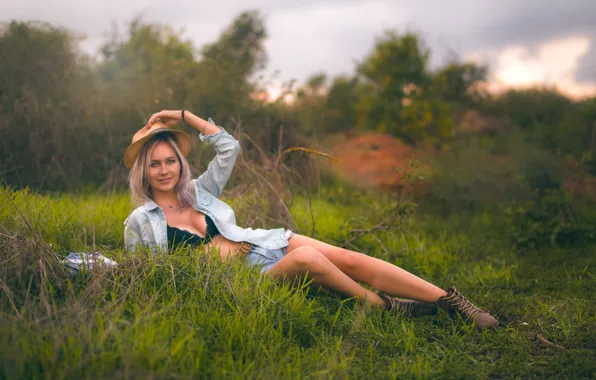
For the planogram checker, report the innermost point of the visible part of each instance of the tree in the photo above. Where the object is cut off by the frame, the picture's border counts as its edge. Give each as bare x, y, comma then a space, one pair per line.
228, 66
309, 104
41, 104
152, 67
397, 95
456, 82
342, 98
240, 48
546, 118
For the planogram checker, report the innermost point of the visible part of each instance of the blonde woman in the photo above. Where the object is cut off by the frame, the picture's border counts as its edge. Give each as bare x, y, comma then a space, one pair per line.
175, 209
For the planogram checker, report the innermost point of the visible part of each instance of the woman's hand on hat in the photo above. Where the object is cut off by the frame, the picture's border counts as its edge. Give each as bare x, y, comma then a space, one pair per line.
169, 118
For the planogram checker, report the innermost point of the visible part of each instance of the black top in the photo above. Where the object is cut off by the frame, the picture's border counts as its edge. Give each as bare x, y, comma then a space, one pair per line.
177, 237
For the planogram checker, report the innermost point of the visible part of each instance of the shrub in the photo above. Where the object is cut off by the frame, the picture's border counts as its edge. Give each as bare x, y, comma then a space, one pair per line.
549, 217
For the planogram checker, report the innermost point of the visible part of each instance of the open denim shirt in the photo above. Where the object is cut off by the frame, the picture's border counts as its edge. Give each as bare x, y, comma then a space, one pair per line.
146, 226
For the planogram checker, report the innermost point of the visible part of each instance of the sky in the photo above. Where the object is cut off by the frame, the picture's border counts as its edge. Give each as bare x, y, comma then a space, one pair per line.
548, 42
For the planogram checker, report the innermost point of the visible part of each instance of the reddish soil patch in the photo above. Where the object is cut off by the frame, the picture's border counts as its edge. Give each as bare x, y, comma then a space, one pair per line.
377, 160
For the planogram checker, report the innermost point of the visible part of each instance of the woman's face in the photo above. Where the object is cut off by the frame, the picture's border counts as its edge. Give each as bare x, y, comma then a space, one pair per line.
164, 168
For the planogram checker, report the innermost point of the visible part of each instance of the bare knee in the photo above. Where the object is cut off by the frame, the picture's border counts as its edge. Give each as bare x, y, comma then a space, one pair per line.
351, 261
308, 259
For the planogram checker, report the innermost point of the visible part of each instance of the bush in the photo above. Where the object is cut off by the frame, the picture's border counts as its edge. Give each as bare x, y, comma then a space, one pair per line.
549, 218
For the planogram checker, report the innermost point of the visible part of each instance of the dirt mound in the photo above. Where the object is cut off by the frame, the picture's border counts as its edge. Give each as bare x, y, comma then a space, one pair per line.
378, 160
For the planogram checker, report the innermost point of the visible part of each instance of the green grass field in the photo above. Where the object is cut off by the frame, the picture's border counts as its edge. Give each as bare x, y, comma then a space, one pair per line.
187, 315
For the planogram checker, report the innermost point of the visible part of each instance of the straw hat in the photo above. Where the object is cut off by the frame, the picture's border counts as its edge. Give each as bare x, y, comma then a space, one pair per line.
144, 134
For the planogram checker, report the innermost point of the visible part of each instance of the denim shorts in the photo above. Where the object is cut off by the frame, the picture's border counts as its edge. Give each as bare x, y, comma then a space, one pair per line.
266, 258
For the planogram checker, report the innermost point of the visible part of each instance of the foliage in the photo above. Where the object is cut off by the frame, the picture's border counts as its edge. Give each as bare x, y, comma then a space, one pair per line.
457, 83
41, 107
487, 172
548, 119
228, 66
68, 119
396, 63
150, 67
309, 106
549, 218
341, 98
395, 96
520, 185
240, 48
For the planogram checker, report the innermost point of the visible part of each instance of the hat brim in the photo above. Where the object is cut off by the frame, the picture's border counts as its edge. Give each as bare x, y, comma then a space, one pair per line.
182, 139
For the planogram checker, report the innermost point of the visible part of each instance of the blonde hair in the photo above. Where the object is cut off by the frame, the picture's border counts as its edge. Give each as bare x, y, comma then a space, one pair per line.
137, 178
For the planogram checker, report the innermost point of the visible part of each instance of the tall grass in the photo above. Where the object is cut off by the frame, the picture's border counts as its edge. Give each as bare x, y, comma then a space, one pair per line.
188, 315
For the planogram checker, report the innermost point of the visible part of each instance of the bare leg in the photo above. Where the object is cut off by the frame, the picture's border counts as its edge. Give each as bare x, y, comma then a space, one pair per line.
309, 261
377, 273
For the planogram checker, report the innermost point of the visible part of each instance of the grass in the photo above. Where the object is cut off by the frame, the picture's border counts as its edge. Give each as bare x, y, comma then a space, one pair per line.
190, 316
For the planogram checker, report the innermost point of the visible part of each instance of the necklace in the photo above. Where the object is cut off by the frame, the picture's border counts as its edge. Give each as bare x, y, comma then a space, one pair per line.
176, 208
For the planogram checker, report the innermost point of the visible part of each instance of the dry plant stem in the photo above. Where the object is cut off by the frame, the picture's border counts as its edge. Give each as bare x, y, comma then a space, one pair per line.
543, 339
405, 240
381, 244
309, 150
14, 165
312, 216
105, 221
47, 171
25, 220
274, 167
8, 295
281, 202
379, 226
279, 156
277, 191
402, 230
264, 156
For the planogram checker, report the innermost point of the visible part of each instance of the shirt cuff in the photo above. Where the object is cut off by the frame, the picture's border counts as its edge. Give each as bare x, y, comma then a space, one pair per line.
210, 139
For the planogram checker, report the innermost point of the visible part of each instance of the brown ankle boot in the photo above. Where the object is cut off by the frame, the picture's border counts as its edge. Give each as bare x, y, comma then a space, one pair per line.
407, 307
454, 303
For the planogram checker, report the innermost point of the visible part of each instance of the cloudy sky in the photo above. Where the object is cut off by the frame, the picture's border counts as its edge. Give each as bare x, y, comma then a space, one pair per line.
524, 42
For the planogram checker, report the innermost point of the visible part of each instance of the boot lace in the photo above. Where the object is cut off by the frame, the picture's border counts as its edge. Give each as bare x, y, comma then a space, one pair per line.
406, 307
462, 305
392, 304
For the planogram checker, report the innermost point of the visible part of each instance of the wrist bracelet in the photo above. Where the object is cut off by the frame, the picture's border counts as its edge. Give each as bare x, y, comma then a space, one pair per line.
183, 115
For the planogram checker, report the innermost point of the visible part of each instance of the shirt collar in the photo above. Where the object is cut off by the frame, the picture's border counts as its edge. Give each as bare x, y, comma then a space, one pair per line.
150, 205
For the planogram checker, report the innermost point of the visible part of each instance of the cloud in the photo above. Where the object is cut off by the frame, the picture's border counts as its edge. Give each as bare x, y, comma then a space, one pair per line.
309, 36
325, 36
586, 71
553, 63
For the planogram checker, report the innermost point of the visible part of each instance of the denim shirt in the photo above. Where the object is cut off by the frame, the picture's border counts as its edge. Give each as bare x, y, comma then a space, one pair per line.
146, 226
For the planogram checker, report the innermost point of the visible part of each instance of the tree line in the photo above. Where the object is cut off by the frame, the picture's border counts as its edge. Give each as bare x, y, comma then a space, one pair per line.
66, 117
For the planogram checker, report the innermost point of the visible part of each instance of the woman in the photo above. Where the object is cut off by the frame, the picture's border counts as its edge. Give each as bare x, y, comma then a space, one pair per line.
175, 209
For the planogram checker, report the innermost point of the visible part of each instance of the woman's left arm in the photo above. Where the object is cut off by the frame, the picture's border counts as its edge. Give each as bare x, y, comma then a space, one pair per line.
226, 148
